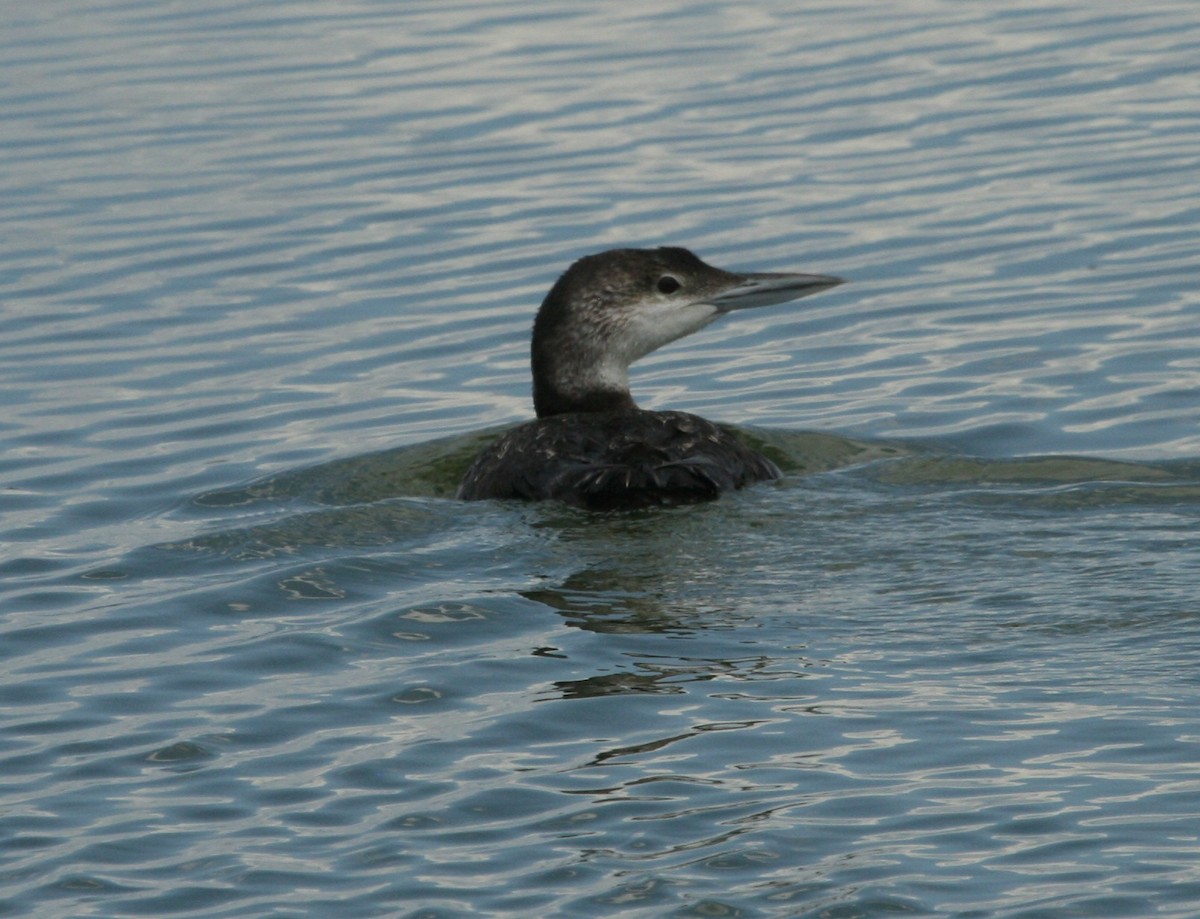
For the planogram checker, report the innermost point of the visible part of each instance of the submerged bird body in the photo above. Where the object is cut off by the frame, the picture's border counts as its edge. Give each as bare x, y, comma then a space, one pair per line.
591, 446
616, 460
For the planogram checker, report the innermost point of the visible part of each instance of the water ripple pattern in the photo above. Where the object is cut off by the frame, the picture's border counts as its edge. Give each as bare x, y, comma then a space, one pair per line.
266, 270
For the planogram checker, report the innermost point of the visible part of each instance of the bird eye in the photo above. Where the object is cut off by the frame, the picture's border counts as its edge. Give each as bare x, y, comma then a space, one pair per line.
668, 284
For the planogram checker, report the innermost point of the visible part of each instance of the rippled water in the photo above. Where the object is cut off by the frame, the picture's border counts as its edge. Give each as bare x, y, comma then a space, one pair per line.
267, 272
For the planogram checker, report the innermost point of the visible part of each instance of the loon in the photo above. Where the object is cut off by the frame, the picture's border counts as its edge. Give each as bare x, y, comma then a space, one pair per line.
590, 445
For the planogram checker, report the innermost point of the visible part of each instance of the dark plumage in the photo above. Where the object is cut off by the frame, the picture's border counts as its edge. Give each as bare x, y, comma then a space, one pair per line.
590, 445
616, 460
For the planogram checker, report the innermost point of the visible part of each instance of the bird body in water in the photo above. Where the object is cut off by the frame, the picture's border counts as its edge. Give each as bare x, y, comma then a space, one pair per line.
590, 445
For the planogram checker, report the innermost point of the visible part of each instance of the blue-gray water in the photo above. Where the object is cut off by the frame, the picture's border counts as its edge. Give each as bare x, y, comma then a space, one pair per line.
266, 271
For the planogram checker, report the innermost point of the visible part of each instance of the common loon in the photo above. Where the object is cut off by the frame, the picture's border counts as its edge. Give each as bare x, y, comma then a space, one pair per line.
590, 445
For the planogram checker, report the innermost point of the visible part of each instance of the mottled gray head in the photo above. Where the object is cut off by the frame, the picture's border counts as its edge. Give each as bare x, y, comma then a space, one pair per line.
608, 310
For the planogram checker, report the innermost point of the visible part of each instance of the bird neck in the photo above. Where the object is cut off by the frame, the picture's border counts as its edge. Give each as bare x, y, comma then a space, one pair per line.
549, 401
570, 377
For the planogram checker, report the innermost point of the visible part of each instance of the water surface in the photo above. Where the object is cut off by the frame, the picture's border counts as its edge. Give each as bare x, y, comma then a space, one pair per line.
267, 276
